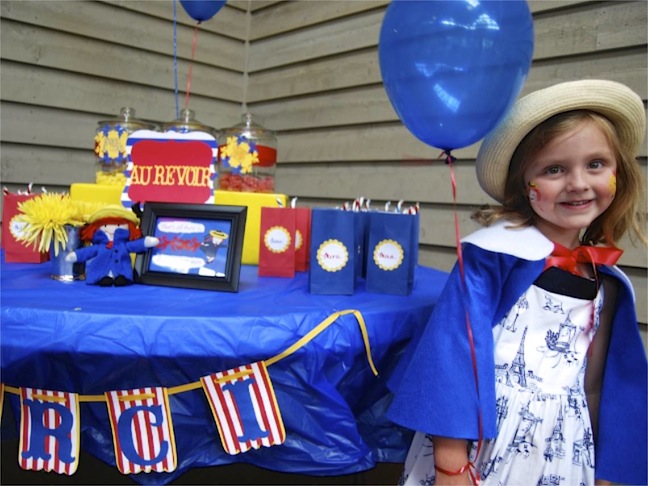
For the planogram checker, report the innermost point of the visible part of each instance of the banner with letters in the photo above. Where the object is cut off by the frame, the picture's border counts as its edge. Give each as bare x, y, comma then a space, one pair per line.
242, 401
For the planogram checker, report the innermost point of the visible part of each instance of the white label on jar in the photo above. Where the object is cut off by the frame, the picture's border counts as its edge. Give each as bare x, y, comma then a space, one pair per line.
332, 255
277, 239
388, 255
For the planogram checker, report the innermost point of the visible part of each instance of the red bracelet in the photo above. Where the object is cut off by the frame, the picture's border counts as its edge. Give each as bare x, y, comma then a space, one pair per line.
469, 466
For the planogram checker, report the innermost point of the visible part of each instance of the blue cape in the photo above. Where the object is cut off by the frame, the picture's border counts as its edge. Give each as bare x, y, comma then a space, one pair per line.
435, 390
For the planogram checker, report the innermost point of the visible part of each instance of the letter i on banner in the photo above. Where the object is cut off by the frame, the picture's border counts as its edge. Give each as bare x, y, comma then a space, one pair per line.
245, 408
142, 430
49, 431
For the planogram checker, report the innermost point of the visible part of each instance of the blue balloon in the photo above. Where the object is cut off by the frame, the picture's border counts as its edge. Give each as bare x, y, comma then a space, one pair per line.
202, 10
453, 68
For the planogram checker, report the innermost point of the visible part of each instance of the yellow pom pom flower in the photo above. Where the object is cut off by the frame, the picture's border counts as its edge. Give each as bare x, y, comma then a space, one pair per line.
45, 217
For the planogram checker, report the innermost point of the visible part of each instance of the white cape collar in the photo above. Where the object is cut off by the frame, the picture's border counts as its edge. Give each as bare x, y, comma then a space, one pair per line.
524, 242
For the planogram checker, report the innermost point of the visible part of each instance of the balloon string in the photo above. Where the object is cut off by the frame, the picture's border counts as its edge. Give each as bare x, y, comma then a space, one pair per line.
194, 43
175, 58
450, 160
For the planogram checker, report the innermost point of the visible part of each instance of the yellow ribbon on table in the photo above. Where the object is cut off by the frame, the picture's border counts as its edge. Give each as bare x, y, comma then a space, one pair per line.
313, 333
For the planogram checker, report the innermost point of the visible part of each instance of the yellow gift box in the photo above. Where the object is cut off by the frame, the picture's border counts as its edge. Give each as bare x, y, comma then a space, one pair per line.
100, 193
253, 200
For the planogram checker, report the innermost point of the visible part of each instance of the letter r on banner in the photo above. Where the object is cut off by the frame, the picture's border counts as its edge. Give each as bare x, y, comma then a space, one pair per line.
49, 431
245, 408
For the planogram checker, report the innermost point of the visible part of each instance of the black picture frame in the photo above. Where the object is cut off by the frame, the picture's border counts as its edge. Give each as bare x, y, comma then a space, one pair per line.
200, 246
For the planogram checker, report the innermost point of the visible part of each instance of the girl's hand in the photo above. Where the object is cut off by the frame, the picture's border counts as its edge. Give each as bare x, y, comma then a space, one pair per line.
451, 455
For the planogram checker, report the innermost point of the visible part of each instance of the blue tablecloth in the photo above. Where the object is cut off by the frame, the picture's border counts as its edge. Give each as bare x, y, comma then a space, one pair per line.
80, 338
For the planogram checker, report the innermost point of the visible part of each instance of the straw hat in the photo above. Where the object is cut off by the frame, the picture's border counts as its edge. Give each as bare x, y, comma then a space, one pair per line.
114, 211
622, 106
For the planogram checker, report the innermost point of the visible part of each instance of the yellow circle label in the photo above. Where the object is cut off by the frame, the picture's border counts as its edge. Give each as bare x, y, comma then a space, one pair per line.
16, 228
332, 255
277, 239
388, 255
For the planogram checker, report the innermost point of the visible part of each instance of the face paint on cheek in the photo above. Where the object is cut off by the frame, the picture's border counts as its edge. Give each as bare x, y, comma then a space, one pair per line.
534, 193
612, 183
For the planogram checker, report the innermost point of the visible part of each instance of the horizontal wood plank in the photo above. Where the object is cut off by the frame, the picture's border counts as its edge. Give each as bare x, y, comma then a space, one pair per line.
537, 6
116, 25
229, 21
370, 104
362, 69
592, 28
319, 41
58, 89
45, 166
426, 181
34, 45
292, 16
588, 28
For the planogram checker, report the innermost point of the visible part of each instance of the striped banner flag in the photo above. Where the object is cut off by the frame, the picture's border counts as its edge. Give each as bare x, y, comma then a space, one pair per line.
49, 431
142, 430
245, 408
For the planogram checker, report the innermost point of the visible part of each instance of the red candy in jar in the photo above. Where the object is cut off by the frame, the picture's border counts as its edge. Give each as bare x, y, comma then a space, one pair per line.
247, 157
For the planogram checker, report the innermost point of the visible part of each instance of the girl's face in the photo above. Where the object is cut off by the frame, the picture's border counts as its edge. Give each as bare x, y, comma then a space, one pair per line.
570, 182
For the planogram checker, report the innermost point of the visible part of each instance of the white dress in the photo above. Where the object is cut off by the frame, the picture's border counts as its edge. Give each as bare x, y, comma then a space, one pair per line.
544, 431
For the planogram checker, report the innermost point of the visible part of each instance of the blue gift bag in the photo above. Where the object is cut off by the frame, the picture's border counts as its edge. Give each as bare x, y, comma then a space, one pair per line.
336, 254
392, 252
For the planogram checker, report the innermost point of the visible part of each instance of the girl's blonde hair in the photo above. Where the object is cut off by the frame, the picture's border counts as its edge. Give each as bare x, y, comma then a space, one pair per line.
624, 214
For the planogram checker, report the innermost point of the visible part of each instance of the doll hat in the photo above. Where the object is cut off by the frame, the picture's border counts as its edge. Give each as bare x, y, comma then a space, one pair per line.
113, 211
622, 106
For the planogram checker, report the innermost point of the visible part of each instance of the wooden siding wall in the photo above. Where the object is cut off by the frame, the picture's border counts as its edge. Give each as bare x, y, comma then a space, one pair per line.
308, 69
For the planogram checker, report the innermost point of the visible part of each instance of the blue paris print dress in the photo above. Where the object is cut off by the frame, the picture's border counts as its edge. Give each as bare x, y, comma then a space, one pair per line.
544, 431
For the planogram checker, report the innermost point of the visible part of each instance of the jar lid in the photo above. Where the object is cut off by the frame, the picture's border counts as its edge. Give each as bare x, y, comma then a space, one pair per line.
249, 128
127, 120
187, 123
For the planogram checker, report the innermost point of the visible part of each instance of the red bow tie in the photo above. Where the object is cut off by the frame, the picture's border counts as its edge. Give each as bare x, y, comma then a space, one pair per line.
563, 257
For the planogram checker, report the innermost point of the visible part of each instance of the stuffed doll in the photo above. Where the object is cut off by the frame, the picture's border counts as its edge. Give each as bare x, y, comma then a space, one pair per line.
114, 234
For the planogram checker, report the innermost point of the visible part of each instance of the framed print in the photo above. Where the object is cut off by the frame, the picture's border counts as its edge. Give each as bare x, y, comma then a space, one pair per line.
200, 246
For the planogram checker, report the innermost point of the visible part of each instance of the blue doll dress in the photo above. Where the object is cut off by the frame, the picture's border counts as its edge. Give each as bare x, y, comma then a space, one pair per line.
544, 432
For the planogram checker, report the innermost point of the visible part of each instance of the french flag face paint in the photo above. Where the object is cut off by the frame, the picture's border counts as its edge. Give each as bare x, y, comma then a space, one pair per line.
534, 193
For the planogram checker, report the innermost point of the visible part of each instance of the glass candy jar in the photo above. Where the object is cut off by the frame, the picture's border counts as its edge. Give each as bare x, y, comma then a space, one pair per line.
187, 123
110, 146
247, 157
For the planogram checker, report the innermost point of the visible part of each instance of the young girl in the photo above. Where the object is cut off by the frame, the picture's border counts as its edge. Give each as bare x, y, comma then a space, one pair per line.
531, 370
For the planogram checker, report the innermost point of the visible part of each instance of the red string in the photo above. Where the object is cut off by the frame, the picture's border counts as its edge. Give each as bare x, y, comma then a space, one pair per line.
473, 474
193, 54
450, 159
